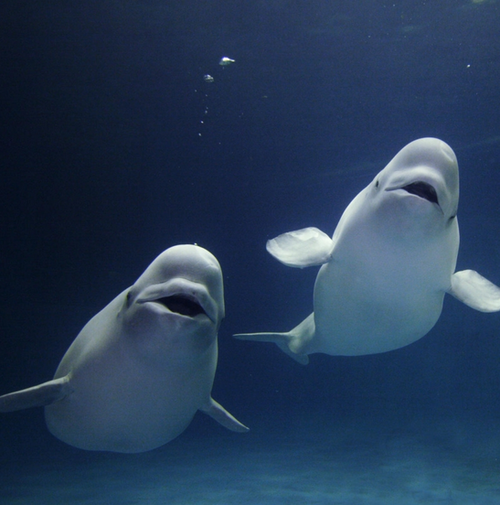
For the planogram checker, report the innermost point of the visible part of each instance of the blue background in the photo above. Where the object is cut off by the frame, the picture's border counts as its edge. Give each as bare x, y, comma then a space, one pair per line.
113, 148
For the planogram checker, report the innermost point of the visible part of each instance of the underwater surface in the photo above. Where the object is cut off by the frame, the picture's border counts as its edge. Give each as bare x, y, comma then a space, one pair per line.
116, 145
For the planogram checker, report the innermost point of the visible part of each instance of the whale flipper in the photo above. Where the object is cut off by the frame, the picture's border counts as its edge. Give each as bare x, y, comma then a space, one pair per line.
301, 248
222, 416
37, 396
475, 291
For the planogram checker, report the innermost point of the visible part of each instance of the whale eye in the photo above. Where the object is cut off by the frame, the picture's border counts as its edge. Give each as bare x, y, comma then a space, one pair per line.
377, 183
128, 298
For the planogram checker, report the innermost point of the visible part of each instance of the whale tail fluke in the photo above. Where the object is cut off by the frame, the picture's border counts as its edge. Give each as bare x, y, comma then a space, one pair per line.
293, 342
282, 340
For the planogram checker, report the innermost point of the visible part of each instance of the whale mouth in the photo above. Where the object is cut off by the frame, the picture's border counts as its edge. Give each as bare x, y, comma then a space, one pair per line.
182, 305
182, 298
423, 190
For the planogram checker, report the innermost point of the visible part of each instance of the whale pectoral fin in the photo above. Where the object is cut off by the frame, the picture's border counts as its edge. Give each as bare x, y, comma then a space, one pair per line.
222, 416
37, 396
475, 291
301, 248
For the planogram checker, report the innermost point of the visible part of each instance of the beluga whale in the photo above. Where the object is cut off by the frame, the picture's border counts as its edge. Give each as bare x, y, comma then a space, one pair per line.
391, 260
140, 369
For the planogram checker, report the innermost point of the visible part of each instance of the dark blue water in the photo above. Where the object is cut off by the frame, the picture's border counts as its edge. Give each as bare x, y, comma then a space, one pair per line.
115, 148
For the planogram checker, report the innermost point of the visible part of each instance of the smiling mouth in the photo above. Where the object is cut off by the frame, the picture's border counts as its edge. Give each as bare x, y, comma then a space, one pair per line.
423, 190
181, 305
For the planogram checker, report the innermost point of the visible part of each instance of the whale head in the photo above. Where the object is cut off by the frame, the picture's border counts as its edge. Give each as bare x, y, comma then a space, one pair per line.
416, 194
424, 173
179, 299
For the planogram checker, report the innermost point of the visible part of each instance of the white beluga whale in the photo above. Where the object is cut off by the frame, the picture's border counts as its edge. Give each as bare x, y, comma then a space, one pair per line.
139, 370
389, 263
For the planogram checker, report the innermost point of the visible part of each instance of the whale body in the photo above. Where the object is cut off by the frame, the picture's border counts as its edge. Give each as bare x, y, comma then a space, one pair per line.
136, 374
391, 260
